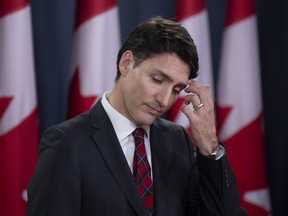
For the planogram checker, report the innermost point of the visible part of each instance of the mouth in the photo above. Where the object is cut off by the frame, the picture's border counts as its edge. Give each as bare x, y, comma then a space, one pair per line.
154, 111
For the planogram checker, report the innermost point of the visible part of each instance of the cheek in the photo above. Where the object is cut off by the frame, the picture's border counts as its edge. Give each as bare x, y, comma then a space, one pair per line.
138, 94
146, 89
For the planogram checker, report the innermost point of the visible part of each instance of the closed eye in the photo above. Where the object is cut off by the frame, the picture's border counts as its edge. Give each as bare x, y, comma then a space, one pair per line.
176, 91
156, 80
178, 88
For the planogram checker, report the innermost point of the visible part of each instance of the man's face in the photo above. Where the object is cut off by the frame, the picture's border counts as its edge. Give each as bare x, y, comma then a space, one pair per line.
150, 89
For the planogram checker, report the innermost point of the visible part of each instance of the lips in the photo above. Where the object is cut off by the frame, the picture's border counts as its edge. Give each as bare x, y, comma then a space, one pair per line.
154, 111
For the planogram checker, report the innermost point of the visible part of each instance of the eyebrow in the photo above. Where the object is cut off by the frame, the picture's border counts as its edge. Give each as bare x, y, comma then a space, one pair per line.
169, 79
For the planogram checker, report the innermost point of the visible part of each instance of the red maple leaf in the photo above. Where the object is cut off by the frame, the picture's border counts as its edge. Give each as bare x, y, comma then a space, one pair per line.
222, 114
245, 150
18, 157
77, 102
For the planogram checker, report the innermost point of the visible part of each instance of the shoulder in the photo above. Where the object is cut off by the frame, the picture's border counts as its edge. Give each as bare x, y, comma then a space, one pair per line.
95, 117
67, 137
70, 127
170, 128
164, 124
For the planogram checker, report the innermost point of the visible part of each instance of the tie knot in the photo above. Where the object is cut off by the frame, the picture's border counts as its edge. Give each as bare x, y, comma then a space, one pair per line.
138, 133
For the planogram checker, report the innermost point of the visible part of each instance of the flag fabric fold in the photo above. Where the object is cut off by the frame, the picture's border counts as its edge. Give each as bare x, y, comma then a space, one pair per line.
239, 106
96, 44
19, 134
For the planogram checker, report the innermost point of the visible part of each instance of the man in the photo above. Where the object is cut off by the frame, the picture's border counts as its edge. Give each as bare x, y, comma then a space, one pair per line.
87, 165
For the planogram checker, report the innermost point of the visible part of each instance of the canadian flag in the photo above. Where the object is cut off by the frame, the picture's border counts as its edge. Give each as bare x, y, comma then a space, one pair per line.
239, 103
193, 15
96, 44
19, 135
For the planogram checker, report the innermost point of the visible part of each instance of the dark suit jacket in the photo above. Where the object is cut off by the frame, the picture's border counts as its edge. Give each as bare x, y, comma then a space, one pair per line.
82, 171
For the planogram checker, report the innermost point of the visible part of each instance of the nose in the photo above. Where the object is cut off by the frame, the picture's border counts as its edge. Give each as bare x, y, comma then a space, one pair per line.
163, 97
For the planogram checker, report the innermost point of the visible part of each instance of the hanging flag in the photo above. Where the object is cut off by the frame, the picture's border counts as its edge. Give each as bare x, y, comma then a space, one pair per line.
193, 15
240, 117
18, 107
96, 44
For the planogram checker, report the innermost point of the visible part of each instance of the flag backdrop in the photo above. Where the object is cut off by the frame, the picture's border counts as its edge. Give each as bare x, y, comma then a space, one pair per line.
193, 15
96, 44
18, 107
239, 102
52, 24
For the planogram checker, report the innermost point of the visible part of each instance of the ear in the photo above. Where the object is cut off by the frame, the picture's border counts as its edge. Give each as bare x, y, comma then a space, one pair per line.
126, 62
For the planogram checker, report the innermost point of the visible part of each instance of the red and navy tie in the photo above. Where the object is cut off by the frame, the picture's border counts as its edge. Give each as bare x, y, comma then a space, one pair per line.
142, 172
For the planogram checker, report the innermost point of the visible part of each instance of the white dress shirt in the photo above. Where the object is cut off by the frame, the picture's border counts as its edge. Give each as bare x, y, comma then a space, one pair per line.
124, 128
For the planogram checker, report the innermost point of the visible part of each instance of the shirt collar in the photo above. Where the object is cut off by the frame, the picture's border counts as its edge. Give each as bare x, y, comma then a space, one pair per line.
122, 125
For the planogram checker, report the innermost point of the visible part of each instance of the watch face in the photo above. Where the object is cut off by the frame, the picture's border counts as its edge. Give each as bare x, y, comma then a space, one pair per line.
219, 152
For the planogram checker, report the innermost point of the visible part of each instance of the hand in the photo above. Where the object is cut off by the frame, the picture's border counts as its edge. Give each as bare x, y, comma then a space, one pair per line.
201, 117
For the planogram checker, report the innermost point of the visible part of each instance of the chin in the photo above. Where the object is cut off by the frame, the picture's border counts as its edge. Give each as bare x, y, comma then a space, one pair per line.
149, 121
145, 118
146, 121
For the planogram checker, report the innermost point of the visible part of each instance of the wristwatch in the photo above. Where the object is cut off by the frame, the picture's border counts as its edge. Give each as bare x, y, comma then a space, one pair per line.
218, 153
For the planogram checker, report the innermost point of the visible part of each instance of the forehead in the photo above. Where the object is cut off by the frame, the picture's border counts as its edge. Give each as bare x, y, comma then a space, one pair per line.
169, 63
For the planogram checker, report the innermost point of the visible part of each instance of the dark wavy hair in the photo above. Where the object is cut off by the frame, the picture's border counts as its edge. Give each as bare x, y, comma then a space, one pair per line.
158, 35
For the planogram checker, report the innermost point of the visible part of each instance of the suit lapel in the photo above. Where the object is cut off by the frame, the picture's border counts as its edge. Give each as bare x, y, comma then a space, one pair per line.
107, 143
160, 163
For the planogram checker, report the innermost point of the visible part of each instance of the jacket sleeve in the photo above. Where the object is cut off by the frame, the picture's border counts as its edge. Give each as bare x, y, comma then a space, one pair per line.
213, 189
219, 191
55, 185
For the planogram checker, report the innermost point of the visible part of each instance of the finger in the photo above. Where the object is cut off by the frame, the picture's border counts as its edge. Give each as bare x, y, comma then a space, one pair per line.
192, 98
203, 91
197, 95
187, 111
195, 87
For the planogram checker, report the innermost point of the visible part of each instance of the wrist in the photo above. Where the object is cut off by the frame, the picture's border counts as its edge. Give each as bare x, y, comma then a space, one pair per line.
217, 152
